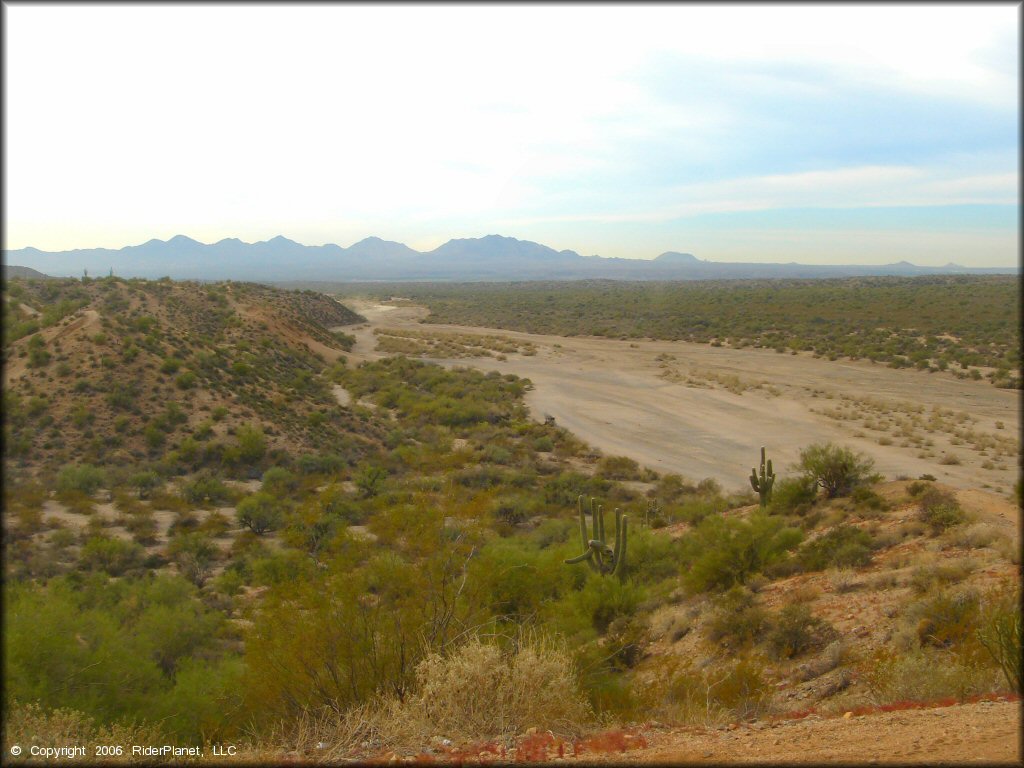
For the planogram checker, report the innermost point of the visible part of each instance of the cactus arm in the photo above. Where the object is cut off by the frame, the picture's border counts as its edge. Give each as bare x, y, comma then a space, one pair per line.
620, 552
583, 523
579, 558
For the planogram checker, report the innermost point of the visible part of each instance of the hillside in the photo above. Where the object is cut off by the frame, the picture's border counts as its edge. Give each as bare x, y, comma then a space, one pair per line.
218, 529
115, 371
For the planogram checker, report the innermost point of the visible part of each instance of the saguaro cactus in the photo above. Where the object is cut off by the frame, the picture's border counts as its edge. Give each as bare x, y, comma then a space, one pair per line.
602, 558
763, 482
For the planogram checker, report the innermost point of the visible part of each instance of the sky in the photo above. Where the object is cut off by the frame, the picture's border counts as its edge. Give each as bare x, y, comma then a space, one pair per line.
820, 134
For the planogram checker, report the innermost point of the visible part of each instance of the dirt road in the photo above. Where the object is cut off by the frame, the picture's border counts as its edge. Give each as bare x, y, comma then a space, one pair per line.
704, 411
984, 732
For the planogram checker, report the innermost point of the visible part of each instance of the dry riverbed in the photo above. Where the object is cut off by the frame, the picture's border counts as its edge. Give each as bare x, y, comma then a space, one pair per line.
704, 411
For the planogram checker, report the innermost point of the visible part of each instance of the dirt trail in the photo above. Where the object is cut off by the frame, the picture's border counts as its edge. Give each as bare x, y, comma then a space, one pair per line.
85, 321
983, 732
613, 394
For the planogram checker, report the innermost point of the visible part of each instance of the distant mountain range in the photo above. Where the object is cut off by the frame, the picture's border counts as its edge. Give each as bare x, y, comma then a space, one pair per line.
486, 258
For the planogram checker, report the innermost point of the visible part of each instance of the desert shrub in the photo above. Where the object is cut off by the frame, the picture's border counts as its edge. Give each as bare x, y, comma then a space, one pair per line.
367, 622
918, 487
565, 488
844, 546
144, 482
936, 576
479, 691
737, 689
142, 526
940, 510
603, 600
369, 481
84, 478
924, 674
866, 497
120, 650
1000, 634
319, 464
976, 536
279, 482
627, 639
793, 495
185, 380
30, 725
836, 470
259, 512
723, 552
651, 558
251, 443
843, 580
738, 620
112, 556
795, 631
543, 444
206, 489
618, 468
946, 620
215, 524
194, 554
170, 365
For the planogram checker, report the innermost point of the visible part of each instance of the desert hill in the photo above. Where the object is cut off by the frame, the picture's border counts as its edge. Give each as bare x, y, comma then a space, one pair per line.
115, 370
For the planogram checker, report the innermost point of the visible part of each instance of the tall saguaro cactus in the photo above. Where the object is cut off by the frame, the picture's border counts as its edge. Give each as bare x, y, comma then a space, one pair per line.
598, 555
763, 482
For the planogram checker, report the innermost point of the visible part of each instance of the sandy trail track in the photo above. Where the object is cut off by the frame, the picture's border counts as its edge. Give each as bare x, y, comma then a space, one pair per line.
985, 732
612, 394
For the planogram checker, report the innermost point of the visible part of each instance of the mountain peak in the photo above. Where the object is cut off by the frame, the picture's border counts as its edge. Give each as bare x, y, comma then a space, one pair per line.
674, 257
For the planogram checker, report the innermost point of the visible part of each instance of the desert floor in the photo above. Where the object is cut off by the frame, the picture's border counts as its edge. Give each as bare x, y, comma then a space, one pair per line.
706, 412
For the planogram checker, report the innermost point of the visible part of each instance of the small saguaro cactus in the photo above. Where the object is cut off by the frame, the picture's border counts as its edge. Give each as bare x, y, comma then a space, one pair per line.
763, 482
602, 558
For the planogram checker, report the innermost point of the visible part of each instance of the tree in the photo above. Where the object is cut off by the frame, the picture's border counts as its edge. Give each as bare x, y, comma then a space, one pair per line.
194, 555
836, 470
260, 512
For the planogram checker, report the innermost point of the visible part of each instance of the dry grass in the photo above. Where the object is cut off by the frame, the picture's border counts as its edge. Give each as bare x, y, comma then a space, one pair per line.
29, 725
479, 692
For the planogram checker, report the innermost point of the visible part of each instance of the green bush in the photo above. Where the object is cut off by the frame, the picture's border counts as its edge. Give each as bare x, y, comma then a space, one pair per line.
722, 552
206, 489
278, 481
84, 478
836, 470
1000, 634
947, 620
795, 631
845, 546
144, 482
112, 556
866, 497
251, 443
618, 468
793, 495
259, 512
940, 510
738, 620
194, 555
605, 600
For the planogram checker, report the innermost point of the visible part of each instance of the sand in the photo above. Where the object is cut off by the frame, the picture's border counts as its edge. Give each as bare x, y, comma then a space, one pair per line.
613, 395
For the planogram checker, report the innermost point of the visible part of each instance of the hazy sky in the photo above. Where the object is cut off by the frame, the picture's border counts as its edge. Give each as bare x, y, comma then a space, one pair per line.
832, 133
